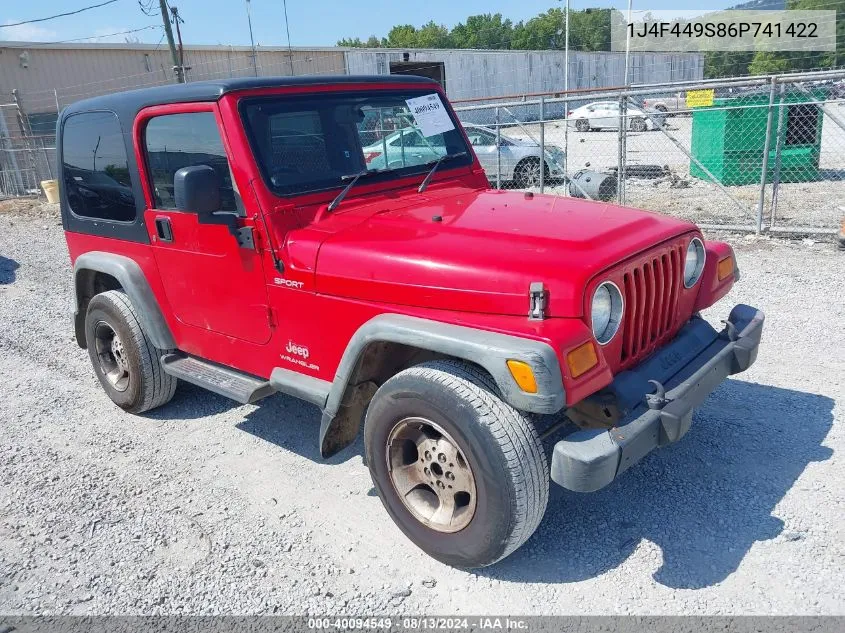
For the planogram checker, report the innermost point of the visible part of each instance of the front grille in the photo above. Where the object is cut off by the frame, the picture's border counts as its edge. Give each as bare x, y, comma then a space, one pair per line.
651, 290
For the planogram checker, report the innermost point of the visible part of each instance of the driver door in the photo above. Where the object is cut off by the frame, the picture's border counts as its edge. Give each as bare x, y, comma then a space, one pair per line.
212, 281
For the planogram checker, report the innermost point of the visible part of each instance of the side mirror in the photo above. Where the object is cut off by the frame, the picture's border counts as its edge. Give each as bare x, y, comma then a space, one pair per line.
196, 189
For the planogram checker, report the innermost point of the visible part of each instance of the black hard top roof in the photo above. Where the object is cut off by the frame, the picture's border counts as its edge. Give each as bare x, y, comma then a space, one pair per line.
133, 100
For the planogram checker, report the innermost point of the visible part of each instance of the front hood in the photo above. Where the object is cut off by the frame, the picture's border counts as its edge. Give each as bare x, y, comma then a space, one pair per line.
485, 250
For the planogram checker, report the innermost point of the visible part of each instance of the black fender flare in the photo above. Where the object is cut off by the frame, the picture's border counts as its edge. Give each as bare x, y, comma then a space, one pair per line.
131, 278
489, 350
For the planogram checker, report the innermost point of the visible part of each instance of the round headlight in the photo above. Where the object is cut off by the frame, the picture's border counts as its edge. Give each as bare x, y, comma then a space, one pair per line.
606, 312
694, 265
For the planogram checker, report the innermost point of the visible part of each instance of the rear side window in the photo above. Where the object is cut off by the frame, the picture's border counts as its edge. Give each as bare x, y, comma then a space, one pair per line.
96, 172
174, 141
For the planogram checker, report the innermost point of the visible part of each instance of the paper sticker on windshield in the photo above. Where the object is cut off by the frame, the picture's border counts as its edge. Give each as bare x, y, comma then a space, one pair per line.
430, 114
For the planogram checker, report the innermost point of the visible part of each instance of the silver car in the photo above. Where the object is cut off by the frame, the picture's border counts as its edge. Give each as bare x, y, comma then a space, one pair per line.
520, 159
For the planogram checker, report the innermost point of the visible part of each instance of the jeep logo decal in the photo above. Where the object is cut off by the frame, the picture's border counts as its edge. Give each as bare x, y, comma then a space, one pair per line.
299, 350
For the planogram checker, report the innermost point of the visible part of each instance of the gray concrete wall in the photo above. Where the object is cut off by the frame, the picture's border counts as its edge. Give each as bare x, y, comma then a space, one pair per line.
79, 71
478, 74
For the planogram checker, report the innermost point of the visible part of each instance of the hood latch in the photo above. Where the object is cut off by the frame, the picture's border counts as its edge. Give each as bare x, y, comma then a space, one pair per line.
537, 301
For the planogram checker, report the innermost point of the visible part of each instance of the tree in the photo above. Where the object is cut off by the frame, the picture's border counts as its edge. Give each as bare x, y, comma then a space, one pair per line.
483, 31
718, 64
402, 36
433, 35
349, 42
546, 31
765, 63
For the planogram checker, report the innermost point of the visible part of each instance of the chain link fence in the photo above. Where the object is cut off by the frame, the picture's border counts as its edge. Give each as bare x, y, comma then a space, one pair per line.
697, 151
26, 158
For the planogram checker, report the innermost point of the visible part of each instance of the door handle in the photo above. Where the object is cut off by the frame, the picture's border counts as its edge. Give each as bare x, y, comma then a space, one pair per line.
164, 230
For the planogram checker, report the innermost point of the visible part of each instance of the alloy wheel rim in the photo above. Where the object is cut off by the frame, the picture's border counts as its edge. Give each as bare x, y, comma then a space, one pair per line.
531, 174
111, 355
430, 475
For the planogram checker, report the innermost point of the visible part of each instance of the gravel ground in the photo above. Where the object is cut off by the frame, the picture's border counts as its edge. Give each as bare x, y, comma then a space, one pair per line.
208, 507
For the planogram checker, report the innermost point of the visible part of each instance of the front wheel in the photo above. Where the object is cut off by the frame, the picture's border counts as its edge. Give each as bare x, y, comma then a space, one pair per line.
527, 173
461, 472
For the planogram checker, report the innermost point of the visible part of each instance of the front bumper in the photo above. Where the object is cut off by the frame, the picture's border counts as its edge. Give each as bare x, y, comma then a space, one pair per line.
690, 367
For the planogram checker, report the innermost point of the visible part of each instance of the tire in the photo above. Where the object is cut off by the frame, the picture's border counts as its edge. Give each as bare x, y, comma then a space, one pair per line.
527, 173
582, 125
638, 124
497, 445
129, 369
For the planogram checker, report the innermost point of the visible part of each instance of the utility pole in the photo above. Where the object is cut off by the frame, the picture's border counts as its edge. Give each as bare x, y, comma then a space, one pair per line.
176, 21
251, 41
627, 44
177, 67
566, 53
566, 103
287, 28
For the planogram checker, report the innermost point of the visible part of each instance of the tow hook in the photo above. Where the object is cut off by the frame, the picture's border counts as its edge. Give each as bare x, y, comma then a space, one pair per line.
658, 399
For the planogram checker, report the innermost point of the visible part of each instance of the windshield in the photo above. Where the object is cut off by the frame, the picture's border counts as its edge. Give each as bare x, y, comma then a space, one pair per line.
310, 143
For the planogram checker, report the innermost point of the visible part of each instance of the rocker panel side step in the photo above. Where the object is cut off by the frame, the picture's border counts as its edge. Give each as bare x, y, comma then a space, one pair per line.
221, 380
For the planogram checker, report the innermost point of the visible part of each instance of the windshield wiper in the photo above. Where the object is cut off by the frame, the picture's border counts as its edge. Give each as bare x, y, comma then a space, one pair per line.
352, 178
435, 164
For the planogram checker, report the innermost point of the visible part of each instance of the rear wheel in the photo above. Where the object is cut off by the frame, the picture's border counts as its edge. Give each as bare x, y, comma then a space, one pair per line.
461, 472
126, 362
638, 124
582, 125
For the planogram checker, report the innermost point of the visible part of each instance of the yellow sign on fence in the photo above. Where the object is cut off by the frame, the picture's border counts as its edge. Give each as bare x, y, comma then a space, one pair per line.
699, 98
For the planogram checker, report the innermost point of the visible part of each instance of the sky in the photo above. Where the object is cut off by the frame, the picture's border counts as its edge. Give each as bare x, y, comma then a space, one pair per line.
312, 22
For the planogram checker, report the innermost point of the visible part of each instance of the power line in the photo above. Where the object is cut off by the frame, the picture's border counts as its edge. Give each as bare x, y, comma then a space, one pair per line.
94, 37
59, 15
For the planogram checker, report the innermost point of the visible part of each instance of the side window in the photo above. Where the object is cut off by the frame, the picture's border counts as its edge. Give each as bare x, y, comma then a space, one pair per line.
415, 139
174, 141
96, 171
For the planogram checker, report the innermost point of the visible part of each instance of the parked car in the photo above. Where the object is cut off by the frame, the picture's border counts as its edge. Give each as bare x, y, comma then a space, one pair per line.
455, 325
519, 161
605, 115
669, 104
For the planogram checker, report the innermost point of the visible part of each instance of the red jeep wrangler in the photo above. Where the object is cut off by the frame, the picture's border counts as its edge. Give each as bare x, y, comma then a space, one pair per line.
263, 235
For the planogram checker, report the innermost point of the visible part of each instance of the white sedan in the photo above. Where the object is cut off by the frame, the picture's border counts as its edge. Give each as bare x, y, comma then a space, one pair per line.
605, 115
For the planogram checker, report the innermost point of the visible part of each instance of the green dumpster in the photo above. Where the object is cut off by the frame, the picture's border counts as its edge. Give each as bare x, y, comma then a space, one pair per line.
729, 138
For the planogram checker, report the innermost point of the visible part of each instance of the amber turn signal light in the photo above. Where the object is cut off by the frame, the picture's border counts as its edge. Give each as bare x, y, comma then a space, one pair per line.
726, 267
523, 375
582, 359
